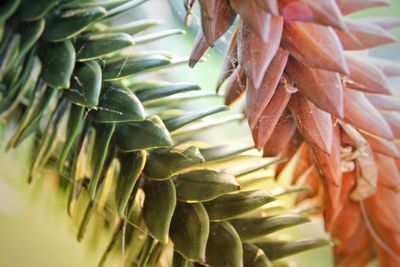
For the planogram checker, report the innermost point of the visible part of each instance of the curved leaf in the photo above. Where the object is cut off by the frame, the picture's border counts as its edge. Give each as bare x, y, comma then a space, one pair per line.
99, 45
224, 247
163, 163
150, 133
29, 12
71, 22
176, 123
255, 257
189, 230
126, 67
85, 85
276, 250
58, 60
118, 104
153, 93
204, 185
132, 165
250, 228
158, 208
232, 205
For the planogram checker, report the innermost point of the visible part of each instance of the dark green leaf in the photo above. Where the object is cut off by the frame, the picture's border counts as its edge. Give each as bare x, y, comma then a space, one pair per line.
177, 99
104, 133
249, 228
158, 208
85, 85
155, 36
58, 61
148, 94
132, 165
224, 247
179, 261
48, 140
279, 249
129, 66
10, 54
189, 230
176, 123
201, 126
7, 9
204, 185
242, 170
164, 163
24, 81
99, 45
124, 7
281, 191
31, 118
232, 205
224, 151
30, 33
254, 257
133, 27
71, 22
118, 104
91, 3
30, 12
150, 133
75, 120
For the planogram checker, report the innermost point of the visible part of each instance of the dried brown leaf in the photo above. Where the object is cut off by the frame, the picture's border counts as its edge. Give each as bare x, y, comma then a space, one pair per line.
362, 114
360, 35
314, 123
235, 87
320, 47
258, 98
255, 55
323, 88
270, 116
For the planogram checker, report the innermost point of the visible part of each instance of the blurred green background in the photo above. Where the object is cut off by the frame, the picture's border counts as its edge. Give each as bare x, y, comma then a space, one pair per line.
34, 227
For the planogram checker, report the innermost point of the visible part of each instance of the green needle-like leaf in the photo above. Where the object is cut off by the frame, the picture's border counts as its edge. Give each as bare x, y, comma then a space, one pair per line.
232, 205
58, 61
276, 250
150, 133
75, 120
85, 85
148, 94
71, 22
99, 45
30, 34
7, 9
164, 163
131, 28
249, 228
176, 123
189, 230
224, 151
158, 208
132, 165
118, 104
204, 185
255, 257
128, 66
30, 12
156, 36
102, 143
224, 247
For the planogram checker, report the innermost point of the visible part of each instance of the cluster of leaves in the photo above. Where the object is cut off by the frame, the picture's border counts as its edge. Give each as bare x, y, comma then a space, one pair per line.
121, 143
312, 97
